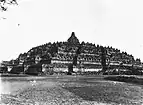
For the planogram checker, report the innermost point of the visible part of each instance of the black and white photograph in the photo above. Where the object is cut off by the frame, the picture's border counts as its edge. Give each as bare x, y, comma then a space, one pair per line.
71, 52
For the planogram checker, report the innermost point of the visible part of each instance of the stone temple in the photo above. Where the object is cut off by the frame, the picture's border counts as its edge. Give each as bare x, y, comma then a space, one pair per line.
57, 56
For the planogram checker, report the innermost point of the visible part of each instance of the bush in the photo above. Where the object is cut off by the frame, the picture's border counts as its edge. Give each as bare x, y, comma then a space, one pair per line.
125, 78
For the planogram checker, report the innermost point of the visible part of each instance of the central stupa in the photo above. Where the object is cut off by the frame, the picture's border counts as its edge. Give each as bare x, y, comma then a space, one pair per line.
73, 39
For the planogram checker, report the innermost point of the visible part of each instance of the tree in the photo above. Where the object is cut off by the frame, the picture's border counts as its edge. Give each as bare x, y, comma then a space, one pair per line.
75, 60
74, 63
77, 53
4, 3
103, 58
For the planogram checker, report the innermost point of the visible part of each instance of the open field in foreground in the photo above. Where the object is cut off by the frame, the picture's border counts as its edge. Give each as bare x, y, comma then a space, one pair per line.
68, 90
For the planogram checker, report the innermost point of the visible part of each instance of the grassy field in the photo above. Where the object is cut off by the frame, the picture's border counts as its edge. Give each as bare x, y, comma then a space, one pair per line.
69, 90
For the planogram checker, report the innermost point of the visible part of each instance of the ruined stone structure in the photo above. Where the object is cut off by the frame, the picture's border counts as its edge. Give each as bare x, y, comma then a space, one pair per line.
59, 55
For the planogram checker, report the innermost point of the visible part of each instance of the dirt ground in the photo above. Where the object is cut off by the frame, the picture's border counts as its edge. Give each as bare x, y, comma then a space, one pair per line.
68, 90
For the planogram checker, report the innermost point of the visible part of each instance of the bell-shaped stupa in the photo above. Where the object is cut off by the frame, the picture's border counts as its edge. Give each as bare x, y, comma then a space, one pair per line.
73, 39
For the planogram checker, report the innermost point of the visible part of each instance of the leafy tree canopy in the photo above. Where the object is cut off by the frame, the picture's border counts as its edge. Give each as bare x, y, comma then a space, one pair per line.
5, 3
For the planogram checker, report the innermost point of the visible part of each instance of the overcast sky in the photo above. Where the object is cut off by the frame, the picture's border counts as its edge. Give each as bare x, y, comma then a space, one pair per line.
116, 23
